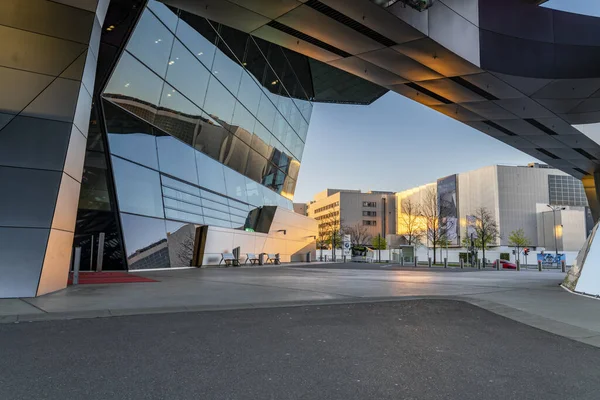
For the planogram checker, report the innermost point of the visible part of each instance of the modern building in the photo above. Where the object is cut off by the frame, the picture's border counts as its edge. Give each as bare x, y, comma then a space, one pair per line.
127, 116
517, 197
334, 209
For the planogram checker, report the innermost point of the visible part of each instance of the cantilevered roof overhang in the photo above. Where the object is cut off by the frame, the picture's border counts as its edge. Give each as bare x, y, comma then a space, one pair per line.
520, 73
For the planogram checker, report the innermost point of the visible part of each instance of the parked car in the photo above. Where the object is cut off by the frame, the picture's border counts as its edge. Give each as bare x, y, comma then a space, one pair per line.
506, 264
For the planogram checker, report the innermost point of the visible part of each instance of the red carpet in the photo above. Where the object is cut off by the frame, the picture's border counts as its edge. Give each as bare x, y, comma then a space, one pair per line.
88, 278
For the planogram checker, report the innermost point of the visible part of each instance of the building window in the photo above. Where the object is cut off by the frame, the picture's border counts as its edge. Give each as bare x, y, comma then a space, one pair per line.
566, 191
369, 213
369, 204
369, 223
327, 207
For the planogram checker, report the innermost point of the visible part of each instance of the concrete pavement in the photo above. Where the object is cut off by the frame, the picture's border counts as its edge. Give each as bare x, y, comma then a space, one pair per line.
527, 296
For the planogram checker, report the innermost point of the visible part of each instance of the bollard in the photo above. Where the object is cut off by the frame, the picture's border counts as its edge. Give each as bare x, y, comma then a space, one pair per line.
478, 264
462, 263
429, 262
402, 261
76, 264
416, 259
540, 265
518, 265
497, 264
445, 262
563, 265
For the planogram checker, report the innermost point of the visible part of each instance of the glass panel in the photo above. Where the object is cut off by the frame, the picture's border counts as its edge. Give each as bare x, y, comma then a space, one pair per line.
214, 197
210, 173
94, 187
178, 116
237, 155
187, 75
199, 39
236, 185
270, 197
138, 188
217, 222
151, 43
266, 111
219, 102
130, 137
243, 123
262, 140
228, 71
179, 186
182, 206
180, 240
211, 138
295, 119
180, 196
303, 130
255, 195
145, 242
249, 93
283, 202
210, 213
134, 87
177, 159
184, 216
256, 168
213, 205
168, 17
254, 61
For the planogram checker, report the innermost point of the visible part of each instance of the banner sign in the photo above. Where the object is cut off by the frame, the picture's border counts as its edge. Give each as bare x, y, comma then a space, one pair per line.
346, 245
550, 258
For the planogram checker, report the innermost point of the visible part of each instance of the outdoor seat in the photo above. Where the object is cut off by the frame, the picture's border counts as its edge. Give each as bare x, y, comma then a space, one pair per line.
273, 259
229, 259
253, 258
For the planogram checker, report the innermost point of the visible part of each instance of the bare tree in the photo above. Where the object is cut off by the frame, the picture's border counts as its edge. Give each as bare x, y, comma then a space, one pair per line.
359, 234
329, 231
410, 222
432, 215
486, 229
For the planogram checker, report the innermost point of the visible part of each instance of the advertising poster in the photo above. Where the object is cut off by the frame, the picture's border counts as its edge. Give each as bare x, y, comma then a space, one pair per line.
471, 226
550, 258
448, 208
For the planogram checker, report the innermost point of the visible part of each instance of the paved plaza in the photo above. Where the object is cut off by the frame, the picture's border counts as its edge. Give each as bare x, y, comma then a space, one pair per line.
530, 297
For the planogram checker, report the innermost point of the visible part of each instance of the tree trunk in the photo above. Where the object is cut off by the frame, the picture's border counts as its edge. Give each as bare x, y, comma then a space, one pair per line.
434, 254
483, 252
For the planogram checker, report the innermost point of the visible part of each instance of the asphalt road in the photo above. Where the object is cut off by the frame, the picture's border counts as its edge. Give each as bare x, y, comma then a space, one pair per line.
399, 350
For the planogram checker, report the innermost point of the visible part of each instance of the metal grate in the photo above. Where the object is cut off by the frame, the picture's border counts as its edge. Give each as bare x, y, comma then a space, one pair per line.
541, 127
586, 154
476, 89
546, 152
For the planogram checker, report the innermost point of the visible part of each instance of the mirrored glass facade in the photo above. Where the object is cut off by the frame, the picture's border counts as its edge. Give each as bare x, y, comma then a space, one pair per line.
206, 126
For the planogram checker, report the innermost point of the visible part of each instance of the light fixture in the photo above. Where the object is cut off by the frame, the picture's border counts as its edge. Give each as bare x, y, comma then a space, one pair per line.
200, 53
110, 28
127, 84
274, 82
244, 64
168, 94
171, 62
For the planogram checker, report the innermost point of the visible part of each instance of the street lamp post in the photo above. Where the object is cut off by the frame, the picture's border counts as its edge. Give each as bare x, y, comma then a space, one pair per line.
554, 210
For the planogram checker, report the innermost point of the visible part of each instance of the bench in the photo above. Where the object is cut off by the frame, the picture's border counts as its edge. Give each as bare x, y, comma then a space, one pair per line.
229, 259
253, 258
273, 259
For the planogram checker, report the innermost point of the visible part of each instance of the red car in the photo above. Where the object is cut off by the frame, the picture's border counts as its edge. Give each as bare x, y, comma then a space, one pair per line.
506, 264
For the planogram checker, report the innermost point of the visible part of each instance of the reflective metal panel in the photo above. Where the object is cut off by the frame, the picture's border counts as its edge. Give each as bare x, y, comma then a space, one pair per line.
24, 87
30, 195
37, 53
180, 241
57, 101
138, 188
22, 252
168, 17
236, 185
55, 270
34, 143
65, 211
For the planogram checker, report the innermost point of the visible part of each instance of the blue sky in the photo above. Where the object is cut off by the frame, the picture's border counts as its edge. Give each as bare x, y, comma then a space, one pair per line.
396, 143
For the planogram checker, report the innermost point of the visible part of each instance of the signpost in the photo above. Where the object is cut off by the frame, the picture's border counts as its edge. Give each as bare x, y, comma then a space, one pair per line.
346, 246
